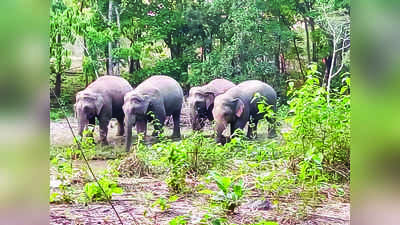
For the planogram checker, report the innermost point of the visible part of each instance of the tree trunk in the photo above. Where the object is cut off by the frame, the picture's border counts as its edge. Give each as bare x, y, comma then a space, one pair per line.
109, 60
86, 55
277, 53
134, 65
298, 57
314, 44
117, 70
59, 71
57, 86
307, 40
283, 63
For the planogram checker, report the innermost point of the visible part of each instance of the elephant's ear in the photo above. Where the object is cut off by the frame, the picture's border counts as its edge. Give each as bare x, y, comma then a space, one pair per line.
99, 104
239, 107
210, 96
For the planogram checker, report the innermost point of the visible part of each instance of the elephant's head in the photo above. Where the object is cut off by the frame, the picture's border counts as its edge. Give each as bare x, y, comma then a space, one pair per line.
88, 105
226, 110
200, 105
135, 108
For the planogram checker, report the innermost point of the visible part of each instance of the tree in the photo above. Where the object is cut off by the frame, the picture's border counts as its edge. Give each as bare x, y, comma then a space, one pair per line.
336, 24
60, 34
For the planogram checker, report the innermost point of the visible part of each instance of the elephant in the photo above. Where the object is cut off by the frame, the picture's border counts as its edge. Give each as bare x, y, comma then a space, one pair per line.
159, 94
102, 99
237, 106
201, 101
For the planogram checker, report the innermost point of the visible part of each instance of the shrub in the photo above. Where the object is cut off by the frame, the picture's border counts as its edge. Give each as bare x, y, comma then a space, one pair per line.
319, 142
94, 193
231, 191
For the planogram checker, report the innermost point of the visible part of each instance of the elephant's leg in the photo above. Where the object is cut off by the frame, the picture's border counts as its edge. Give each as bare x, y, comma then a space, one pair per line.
239, 124
252, 129
141, 127
104, 130
92, 123
177, 130
121, 129
158, 125
271, 128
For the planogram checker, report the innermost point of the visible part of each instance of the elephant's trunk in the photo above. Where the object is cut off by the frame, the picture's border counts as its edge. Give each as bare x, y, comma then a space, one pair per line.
220, 127
82, 122
194, 117
129, 122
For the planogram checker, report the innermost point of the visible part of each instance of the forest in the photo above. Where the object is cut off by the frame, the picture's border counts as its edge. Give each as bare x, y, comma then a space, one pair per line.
300, 48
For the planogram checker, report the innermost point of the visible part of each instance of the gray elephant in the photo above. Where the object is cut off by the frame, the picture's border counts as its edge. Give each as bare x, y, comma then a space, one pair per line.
237, 106
201, 101
162, 96
102, 99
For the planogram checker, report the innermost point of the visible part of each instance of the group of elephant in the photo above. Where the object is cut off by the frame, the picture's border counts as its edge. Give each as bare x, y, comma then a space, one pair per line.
161, 96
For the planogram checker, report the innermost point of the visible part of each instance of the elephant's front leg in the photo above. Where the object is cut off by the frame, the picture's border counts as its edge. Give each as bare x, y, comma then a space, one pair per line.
177, 130
158, 125
104, 131
141, 127
252, 129
121, 129
271, 128
239, 124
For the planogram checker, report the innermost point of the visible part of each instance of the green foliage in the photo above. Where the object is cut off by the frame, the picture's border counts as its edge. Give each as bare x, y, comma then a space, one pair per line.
94, 193
62, 180
319, 142
193, 155
57, 113
231, 191
164, 203
276, 184
179, 220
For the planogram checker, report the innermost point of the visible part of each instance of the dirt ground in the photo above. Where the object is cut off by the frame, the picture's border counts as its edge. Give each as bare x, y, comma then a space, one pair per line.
134, 206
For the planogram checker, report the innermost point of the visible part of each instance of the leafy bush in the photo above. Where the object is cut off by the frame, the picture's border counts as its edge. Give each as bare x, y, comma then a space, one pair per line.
164, 203
94, 193
319, 142
194, 155
179, 220
230, 192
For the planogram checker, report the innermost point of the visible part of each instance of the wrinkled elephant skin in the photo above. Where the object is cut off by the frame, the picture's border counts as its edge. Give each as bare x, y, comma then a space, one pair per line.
102, 99
201, 101
155, 98
237, 107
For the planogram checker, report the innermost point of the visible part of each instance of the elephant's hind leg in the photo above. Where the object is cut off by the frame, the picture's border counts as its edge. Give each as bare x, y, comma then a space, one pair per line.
177, 130
252, 129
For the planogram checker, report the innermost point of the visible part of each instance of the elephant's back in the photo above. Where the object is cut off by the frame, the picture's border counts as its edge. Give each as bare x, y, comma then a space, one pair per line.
112, 88
247, 89
219, 86
167, 88
163, 84
114, 84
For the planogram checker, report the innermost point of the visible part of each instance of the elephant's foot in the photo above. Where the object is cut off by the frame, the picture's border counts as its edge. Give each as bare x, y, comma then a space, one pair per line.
272, 134
104, 142
222, 140
176, 135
